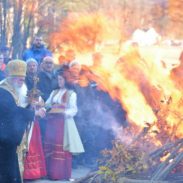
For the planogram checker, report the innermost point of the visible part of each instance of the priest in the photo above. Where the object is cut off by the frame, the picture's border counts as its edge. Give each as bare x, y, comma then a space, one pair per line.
13, 121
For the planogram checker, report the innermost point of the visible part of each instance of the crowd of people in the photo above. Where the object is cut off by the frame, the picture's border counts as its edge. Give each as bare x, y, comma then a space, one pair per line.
49, 114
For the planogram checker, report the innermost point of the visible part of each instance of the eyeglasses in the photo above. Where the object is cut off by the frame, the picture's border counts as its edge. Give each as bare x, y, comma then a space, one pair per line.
50, 63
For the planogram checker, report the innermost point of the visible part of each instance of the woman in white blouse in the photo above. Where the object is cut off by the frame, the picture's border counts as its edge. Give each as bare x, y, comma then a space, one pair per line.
62, 138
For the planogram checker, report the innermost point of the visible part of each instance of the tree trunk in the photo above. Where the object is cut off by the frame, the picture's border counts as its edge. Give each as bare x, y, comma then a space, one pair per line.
26, 31
3, 19
17, 37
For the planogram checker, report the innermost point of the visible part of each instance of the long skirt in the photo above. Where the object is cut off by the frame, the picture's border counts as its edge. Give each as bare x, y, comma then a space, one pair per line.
34, 164
58, 161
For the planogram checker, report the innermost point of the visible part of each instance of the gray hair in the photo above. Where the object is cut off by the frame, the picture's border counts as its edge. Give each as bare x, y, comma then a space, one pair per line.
48, 58
31, 60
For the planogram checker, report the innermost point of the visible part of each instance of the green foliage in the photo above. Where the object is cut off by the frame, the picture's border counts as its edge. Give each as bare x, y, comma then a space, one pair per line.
108, 173
123, 160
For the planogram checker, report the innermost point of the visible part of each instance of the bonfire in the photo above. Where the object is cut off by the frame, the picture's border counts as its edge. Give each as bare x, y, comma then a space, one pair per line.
150, 149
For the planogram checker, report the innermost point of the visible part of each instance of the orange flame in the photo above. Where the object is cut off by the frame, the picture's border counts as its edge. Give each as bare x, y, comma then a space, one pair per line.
134, 76
83, 32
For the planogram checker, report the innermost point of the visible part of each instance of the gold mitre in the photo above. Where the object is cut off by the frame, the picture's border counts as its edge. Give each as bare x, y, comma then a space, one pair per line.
16, 68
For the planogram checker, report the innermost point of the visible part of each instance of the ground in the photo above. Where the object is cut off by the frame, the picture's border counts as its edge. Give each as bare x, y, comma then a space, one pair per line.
76, 173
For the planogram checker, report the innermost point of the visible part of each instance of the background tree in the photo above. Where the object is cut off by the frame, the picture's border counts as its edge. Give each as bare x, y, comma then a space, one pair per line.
4, 6
21, 19
175, 18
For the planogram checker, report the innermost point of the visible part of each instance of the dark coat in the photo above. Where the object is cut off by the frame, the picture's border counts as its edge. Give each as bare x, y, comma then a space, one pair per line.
13, 122
2, 75
47, 83
36, 53
29, 82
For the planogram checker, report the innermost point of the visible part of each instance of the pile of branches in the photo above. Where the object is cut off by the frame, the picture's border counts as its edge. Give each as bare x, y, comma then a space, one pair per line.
122, 160
130, 163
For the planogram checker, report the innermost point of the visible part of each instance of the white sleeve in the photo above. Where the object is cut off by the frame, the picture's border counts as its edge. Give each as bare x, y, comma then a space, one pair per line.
71, 108
48, 102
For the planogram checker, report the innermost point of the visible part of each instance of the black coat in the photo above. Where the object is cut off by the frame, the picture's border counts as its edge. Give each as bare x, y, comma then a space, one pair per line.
29, 82
13, 122
2, 75
47, 83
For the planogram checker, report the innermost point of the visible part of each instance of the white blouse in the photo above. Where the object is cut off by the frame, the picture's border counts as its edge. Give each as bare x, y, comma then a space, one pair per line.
72, 141
71, 106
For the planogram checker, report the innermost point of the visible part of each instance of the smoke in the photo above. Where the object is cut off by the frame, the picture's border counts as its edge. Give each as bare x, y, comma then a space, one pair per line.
104, 117
98, 109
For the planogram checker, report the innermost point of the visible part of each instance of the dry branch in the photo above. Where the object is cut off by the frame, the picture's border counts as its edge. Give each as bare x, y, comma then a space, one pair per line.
160, 173
86, 178
163, 174
127, 180
161, 150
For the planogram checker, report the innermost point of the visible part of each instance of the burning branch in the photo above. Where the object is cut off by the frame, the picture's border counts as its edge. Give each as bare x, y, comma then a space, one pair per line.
171, 162
165, 148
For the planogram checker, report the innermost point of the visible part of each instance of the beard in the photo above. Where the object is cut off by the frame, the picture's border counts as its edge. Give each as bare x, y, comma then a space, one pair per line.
21, 92
38, 45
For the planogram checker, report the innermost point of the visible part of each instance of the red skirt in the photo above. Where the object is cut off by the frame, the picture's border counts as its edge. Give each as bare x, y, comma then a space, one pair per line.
34, 164
58, 161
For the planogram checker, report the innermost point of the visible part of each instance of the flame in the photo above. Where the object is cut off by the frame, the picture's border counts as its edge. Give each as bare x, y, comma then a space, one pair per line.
165, 157
135, 76
84, 32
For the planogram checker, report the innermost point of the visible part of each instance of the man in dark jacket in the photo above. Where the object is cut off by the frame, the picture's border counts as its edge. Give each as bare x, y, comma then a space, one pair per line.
13, 121
46, 84
37, 51
47, 78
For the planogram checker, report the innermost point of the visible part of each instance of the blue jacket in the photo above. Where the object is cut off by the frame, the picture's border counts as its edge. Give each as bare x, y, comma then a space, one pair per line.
36, 53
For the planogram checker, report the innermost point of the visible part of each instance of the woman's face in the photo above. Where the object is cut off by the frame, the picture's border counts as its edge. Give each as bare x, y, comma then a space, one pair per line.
61, 82
32, 67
